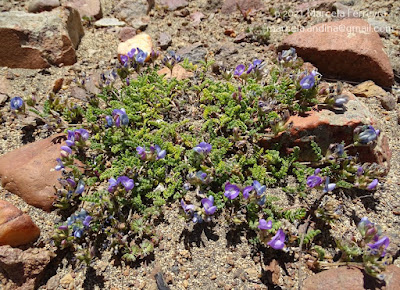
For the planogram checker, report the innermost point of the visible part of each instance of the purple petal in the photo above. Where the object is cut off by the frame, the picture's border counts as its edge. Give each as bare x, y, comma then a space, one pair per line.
264, 225
126, 182
373, 184
246, 191
80, 187
231, 191
277, 241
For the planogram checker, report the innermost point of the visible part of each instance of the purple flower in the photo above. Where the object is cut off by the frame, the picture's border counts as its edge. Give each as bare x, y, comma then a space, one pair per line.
86, 221
239, 70
113, 184
160, 153
109, 121
382, 242
231, 191
59, 165
16, 103
328, 186
367, 228
203, 148
307, 82
124, 60
264, 225
287, 55
71, 182
373, 184
360, 171
65, 151
81, 135
71, 138
78, 233
246, 191
260, 189
341, 100
131, 53
63, 227
120, 117
208, 204
80, 187
188, 209
367, 134
277, 241
314, 180
257, 62
142, 152
126, 182
141, 56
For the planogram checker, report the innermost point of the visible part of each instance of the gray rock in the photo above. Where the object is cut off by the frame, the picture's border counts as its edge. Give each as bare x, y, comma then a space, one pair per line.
164, 40
388, 102
39, 40
141, 23
128, 10
107, 22
382, 27
343, 11
87, 8
36, 6
195, 52
174, 4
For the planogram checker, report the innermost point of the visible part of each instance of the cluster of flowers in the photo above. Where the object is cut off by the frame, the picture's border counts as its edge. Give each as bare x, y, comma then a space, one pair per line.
232, 191
278, 241
287, 56
77, 224
72, 187
199, 214
365, 134
76, 138
134, 57
372, 235
124, 181
155, 153
171, 59
255, 70
119, 118
203, 148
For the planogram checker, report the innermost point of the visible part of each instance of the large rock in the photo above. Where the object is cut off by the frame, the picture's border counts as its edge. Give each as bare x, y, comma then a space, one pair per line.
348, 49
35, 6
27, 173
87, 8
352, 278
128, 10
174, 4
327, 127
39, 40
16, 228
24, 269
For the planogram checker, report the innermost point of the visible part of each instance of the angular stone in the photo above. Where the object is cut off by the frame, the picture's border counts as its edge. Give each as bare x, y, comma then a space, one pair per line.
36, 6
87, 8
142, 41
27, 171
388, 102
128, 10
107, 22
174, 4
164, 40
231, 6
368, 89
16, 228
126, 33
352, 278
39, 40
180, 73
327, 127
24, 268
330, 47
194, 52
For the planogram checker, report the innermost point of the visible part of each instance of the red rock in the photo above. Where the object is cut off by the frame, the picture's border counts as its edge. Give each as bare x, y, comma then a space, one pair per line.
27, 173
165, 71
126, 33
348, 49
174, 4
87, 8
39, 40
352, 278
24, 268
231, 6
326, 127
16, 228
180, 73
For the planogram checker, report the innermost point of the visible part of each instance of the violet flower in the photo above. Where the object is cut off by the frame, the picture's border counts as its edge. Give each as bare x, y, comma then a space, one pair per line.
379, 244
260, 189
16, 103
109, 121
65, 151
287, 55
141, 56
86, 221
81, 135
112, 185
314, 180
246, 191
131, 53
208, 204
373, 184
277, 241
307, 82
60, 165
160, 153
80, 187
120, 117
231, 191
239, 70
360, 171
366, 134
124, 60
126, 182
328, 186
203, 148
187, 208
141, 151
264, 225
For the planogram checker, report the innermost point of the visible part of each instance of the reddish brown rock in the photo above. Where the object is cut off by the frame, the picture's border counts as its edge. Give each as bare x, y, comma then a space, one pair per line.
327, 127
231, 6
352, 278
27, 173
126, 33
24, 269
39, 40
16, 228
349, 49
87, 8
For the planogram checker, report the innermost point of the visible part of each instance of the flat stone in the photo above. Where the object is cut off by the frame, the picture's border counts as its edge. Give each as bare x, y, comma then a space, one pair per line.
231, 6
352, 278
164, 40
174, 4
39, 40
180, 73
107, 22
142, 41
87, 8
194, 52
16, 228
27, 171
126, 33
24, 268
36, 6
129, 10
368, 89
327, 127
166, 72
330, 47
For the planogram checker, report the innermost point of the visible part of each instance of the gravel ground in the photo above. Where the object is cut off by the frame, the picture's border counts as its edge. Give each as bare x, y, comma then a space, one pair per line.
193, 258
